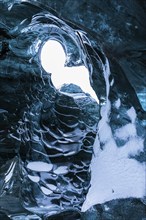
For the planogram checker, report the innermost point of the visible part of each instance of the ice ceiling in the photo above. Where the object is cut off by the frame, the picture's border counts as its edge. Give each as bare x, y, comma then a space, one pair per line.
72, 110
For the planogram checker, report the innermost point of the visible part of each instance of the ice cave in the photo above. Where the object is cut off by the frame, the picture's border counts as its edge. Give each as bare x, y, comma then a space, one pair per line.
72, 110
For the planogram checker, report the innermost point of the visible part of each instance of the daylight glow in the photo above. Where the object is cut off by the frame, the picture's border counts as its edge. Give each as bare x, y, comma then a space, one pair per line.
53, 61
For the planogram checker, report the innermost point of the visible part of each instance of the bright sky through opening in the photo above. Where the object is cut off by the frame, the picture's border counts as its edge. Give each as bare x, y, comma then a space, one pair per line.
53, 60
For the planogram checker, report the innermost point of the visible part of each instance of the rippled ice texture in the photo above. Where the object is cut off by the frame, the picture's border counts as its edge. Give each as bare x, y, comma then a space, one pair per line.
52, 135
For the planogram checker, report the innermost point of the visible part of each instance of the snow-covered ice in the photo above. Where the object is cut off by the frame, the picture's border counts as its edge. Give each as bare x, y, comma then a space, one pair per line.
115, 174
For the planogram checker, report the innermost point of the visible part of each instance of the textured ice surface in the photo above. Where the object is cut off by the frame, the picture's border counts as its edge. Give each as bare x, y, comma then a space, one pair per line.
47, 135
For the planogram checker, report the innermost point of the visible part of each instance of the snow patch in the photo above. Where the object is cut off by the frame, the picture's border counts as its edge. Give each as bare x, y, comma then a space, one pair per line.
132, 114
61, 170
126, 131
117, 103
39, 166
114, 175
45, 190
35, 179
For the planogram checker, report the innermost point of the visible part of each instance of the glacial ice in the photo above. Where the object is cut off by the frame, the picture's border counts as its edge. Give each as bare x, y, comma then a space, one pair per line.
72, 142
